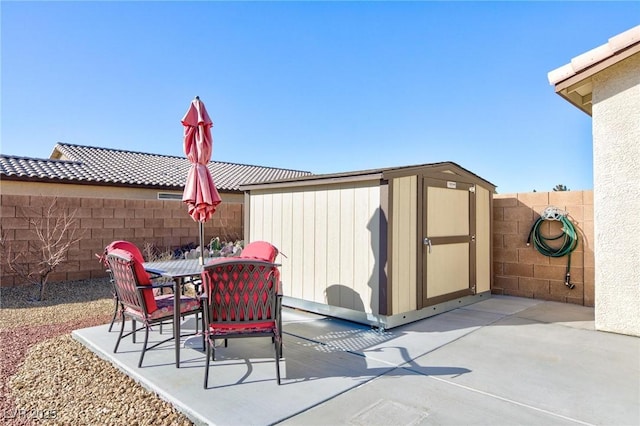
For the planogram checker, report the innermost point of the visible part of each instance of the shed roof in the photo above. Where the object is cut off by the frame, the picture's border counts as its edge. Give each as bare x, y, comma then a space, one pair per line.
369, 174
104, 166
573, 80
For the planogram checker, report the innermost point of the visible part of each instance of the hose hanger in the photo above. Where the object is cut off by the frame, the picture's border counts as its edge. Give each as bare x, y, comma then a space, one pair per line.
569, 238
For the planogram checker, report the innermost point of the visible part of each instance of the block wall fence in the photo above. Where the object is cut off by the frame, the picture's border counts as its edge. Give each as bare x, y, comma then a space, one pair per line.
164, 223
518, 270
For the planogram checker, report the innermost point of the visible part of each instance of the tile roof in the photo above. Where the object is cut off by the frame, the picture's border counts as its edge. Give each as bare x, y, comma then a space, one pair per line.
614, 46
574, 81
104, 166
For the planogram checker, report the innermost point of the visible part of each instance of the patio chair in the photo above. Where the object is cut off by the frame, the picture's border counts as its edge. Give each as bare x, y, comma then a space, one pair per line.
135, 251
260, 250
138, 301
241, 298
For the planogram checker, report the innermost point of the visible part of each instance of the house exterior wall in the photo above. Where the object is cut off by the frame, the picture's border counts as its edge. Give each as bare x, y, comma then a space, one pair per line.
9, 187
522, 271
616, 148
330, 238
106, 214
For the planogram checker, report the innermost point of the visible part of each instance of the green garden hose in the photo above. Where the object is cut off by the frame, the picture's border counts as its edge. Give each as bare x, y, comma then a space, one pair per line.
569, 241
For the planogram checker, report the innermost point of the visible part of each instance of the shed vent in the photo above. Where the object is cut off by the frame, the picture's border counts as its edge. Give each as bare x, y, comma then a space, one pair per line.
169, 196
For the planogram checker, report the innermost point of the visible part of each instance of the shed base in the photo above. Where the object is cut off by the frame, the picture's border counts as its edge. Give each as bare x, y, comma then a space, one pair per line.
383, 321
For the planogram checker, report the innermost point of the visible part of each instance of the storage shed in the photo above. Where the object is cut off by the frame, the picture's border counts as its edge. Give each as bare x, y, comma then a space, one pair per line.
383, 247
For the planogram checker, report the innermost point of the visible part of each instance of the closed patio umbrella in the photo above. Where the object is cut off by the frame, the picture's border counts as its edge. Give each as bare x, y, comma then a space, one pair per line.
200, 193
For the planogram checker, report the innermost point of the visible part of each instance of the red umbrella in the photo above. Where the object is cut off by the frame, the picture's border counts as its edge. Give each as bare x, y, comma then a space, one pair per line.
200, 193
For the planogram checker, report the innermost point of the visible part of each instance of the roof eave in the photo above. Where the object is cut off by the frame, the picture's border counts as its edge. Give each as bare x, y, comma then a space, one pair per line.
380, 174
48, 179
573, 81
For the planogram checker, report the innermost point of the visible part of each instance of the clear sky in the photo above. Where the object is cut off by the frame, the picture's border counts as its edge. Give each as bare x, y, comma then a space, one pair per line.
318, 86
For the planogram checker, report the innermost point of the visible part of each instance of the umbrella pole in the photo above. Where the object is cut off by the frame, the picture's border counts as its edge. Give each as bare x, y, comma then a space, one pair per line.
201, 234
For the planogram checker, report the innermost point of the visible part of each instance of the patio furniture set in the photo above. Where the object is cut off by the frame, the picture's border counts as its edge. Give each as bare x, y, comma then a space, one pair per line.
235, 297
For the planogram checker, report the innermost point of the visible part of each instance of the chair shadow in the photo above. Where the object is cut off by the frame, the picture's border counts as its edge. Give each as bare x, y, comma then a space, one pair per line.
336, 349
330, 360
308, 360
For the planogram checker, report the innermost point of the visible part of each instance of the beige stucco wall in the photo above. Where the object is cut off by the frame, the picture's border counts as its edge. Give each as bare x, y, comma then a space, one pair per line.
616, 149
9, 187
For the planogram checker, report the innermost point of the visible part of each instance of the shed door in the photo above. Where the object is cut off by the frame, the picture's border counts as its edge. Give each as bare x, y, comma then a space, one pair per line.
448, 249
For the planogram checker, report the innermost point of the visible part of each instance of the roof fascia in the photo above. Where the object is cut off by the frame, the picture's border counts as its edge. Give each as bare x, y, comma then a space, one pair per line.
328, 180
568, 88
440, 170
96, 183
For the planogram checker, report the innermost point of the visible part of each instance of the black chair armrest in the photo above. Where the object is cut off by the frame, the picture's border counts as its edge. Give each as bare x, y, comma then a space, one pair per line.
155, 285
153, 275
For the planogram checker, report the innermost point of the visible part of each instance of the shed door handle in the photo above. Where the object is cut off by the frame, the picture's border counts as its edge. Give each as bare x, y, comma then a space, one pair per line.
427, 242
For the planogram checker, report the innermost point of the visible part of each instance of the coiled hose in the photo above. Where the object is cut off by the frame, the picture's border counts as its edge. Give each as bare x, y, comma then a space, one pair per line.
569, 235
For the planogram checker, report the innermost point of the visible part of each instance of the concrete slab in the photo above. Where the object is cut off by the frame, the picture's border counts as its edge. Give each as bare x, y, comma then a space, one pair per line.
561, 313
586, 376
311, 373
504, 360
417, 339
505, 305
397, 345
416, 399
510, 371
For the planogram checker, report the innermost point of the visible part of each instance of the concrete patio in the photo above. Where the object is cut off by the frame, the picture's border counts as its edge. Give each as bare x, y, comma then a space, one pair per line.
505, 360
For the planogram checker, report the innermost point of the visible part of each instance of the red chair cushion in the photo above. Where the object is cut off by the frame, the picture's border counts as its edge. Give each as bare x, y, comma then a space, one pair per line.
128, 246
141, 275
220, 329
260, 250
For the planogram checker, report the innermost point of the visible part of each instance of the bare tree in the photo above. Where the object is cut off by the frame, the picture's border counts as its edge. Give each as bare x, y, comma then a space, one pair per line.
153, 253
55, 230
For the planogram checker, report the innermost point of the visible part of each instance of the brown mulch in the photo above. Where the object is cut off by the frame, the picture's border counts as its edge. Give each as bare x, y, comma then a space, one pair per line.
48, 377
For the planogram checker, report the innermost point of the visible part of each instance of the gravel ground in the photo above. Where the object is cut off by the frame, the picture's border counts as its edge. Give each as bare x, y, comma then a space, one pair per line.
49, 378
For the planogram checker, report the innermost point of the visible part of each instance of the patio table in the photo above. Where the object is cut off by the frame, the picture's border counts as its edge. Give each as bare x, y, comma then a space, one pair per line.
177, 270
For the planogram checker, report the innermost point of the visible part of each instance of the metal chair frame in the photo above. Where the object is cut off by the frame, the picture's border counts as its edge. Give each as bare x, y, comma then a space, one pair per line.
116, 299
241, 298
130, 295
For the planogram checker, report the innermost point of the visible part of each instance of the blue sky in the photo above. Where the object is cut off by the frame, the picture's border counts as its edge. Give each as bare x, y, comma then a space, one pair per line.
318, 86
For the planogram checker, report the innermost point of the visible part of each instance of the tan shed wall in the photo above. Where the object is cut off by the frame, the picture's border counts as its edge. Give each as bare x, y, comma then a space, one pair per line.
404, 234
330, 236
483, 240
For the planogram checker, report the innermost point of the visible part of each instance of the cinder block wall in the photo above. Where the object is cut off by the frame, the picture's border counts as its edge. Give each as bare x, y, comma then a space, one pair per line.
161, 222
522, 271
518, 270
